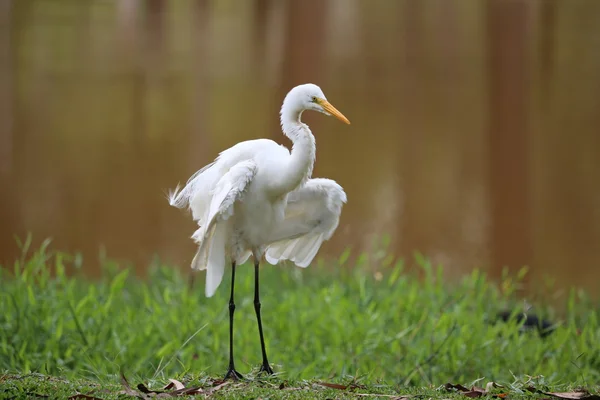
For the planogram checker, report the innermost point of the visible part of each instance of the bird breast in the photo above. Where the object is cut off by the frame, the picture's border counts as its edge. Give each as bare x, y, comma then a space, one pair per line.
256, 217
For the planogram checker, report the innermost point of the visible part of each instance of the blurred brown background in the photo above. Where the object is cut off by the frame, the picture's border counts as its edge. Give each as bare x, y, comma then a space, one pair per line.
474, 138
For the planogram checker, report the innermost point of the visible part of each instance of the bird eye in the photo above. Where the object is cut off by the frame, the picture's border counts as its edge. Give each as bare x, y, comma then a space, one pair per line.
314, 99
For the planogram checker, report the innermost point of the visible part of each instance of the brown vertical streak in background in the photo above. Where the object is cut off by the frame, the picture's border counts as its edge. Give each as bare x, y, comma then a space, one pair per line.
508, 140
86, 45
8, 203
133, 41
155, 25
6, 90
261, 10
448, 27
303, 50
409, 232
547, 43
304, 42
199, 138
148, 66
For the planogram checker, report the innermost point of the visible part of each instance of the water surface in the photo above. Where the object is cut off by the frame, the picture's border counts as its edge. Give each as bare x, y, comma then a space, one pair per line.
474, 138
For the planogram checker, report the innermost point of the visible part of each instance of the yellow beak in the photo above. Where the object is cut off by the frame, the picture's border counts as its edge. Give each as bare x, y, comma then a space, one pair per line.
332, 110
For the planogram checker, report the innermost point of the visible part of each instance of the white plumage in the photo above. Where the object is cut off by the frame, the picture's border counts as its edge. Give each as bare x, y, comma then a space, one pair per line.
257, 196
312, 214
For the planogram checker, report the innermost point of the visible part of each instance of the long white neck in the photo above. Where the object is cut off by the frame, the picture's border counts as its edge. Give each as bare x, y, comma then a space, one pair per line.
302, 159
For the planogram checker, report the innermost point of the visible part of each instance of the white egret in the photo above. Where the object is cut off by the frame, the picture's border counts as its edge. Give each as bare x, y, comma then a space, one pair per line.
257, 198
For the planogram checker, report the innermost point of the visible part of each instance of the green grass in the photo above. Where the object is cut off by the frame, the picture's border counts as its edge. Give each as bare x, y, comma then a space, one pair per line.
391, 331
35, 385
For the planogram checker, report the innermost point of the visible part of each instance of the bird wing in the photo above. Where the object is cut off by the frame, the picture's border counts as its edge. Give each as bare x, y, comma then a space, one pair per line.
230, 188
198, 191
312, 214
212, 236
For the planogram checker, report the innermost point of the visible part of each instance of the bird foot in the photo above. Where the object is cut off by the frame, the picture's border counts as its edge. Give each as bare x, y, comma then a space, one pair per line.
233, 375
266, 368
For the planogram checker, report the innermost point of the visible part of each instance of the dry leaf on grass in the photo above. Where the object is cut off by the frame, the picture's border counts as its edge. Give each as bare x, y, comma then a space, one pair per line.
142, 388
391, 396
581, 394
127, 388
340, 387
478, 392
219, 386
576, 395
333, 385
492, 385
474, 391
129, 391
181, 390
174, 383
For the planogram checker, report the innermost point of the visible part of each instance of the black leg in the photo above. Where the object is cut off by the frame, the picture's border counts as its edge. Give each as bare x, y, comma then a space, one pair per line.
265, 364
231, 372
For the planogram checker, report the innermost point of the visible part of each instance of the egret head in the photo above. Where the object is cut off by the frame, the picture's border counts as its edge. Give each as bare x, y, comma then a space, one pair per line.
311, 97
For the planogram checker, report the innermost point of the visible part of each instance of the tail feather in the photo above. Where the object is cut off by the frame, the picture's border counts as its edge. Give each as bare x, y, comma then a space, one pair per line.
211, 257
194, 193
200, 260
177, 197
216, 260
